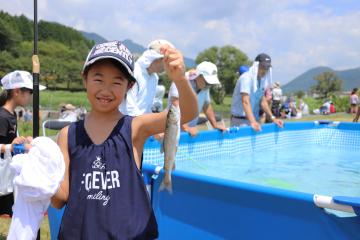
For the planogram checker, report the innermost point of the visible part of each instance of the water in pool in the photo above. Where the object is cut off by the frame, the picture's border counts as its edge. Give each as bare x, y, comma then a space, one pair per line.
305, 168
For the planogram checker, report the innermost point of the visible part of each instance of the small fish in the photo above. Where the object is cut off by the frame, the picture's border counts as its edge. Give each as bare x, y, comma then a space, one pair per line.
170, 144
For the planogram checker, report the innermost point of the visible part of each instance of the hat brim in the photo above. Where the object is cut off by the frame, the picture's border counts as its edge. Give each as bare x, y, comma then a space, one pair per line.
41, 87
92, 61
28, 86
212, 79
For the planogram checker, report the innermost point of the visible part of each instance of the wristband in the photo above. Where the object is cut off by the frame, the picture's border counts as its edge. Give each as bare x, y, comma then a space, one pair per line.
273, 117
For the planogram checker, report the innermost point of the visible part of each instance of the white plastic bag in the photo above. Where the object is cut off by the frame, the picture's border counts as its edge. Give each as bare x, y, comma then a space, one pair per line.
6, 174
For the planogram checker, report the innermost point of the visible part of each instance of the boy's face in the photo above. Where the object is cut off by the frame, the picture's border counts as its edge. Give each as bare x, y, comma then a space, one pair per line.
106, 86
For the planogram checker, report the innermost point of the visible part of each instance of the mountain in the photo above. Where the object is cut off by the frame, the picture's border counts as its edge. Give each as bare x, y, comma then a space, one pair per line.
93, 36
304, 82
134, 47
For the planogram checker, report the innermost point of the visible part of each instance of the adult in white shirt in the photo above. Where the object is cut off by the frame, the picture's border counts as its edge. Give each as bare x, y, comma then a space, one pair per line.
201, 80
276, 99
248, 95
140, 97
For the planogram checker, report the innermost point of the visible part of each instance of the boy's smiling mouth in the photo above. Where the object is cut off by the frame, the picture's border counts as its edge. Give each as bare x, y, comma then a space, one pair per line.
104, 100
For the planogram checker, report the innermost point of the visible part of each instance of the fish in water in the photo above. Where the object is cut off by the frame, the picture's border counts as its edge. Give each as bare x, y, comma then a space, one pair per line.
170, 144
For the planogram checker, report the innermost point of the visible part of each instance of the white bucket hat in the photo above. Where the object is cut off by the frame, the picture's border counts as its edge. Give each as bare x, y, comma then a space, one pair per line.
19, 79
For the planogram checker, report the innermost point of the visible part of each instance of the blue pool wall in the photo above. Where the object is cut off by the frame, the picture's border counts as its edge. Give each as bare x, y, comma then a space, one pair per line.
203, 207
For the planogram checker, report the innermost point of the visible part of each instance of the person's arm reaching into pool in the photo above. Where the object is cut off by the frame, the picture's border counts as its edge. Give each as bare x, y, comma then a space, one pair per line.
266, 108
210, 115
248, 112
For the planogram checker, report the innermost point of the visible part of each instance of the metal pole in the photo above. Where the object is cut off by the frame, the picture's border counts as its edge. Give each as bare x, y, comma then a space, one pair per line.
36, 74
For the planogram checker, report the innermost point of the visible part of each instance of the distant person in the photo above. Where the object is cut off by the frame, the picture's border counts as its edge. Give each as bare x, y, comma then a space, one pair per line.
276, 99
27, 115
332, 108
243, 69
325, 108
248, 95
139, 99
81, 112
201, 80
354, 100
68, 113
265, 118
158, 99
356, 118
303, 107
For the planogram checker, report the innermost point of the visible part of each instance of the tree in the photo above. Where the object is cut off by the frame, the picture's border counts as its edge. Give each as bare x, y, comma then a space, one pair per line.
227, 59
299, 94
327, 84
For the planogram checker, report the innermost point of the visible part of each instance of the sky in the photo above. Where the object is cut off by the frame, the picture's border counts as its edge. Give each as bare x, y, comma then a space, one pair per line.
297, 34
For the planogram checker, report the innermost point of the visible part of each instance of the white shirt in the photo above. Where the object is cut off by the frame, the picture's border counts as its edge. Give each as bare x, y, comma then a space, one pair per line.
245, 85
203, 97
277, 94
140, 97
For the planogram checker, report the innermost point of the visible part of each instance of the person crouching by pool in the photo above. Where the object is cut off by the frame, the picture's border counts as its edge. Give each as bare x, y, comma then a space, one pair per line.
201, 80
248, 95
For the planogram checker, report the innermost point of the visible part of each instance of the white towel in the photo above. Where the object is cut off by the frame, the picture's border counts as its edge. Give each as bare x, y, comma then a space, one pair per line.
266, 80
148, 57
6, 175
38, 177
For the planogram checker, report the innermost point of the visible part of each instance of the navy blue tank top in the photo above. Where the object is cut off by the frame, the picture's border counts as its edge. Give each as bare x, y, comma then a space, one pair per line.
107, 198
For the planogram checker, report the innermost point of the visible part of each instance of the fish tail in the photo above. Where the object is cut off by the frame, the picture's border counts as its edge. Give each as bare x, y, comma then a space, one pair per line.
166, 183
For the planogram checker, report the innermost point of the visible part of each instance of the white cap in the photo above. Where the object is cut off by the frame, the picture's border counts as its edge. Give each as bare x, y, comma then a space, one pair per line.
19, 79
209, 72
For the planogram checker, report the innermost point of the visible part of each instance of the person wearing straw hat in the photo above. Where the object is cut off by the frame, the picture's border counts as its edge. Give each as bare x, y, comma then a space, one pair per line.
201, 79
139, 99
248, 95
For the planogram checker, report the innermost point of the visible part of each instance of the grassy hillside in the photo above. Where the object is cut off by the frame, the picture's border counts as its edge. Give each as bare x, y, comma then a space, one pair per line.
304, 82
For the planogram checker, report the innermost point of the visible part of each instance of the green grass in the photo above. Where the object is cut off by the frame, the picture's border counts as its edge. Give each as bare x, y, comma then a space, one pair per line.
5, 224
342, 117
53, 99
